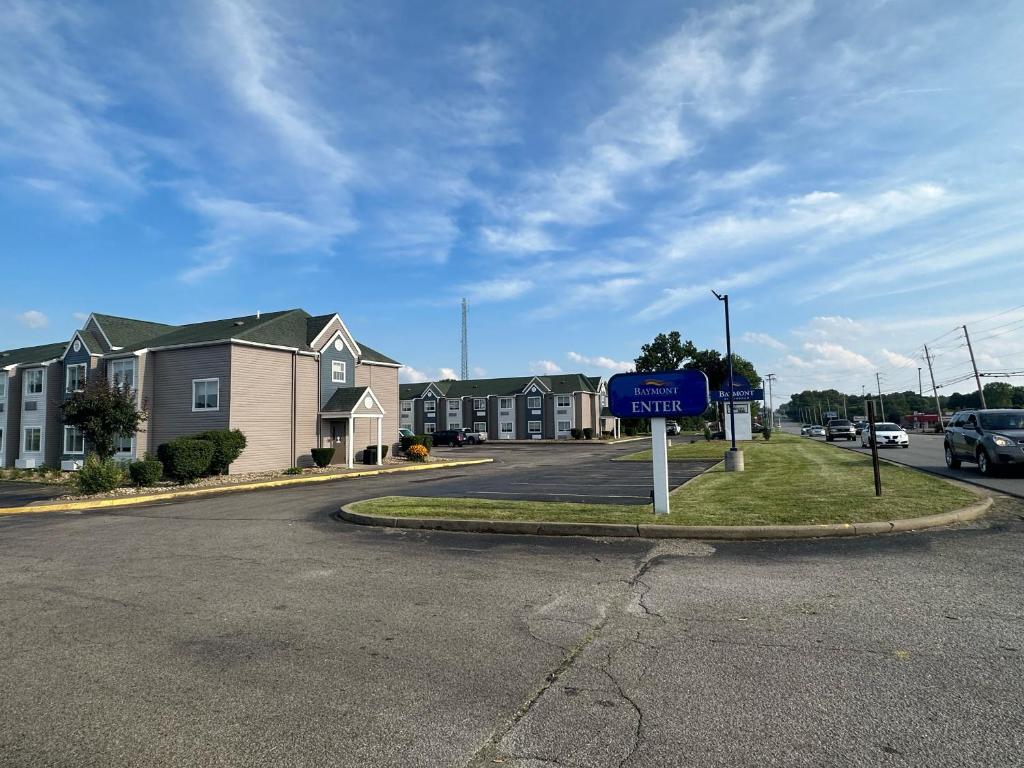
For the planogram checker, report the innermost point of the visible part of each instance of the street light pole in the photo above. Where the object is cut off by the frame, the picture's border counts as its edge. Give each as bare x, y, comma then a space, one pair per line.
735, 462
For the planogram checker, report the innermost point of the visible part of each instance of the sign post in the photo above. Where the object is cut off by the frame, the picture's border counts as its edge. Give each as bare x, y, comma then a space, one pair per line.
658, 396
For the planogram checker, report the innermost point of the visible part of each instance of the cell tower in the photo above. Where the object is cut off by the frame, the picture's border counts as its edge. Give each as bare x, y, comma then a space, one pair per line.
465, 340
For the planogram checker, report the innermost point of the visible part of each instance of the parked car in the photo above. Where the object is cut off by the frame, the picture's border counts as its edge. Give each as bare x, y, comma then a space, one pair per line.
473, 437
816, 431
405, 432
672, 428
453, 437
993, 439
840, 429
887, 435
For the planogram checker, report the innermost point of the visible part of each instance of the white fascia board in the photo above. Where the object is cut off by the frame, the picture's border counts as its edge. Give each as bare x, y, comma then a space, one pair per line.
382, 365
544, 388
71, 343
349, 338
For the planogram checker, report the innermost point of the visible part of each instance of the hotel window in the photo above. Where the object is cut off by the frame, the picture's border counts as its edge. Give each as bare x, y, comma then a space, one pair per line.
33, 440
479, 404
74, 440
34, 381
505, 403
454, 406
429, 429
533, 402
205, 394
74, 379
123, 444
429, 406
3, 385
533, 427
564, 426
563, 401
338, 371
479, 426
506, 427
31, 405
122, 373
406, 406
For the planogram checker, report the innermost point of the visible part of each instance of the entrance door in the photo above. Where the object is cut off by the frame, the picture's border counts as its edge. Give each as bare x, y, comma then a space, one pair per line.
339, 433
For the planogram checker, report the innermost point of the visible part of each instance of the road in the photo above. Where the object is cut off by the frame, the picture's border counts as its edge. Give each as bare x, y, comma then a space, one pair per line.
255, 630
925, 452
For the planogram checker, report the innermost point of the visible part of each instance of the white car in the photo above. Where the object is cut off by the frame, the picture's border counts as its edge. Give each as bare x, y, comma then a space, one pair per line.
816, 431
887, 434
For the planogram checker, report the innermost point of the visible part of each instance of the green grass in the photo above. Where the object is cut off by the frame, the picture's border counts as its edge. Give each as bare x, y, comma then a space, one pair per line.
702, 449
788, 480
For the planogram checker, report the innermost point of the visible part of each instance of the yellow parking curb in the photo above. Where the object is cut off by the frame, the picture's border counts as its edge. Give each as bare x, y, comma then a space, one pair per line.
127, 501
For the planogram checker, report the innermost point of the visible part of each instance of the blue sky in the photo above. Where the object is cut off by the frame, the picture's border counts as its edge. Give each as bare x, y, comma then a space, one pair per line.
584, 173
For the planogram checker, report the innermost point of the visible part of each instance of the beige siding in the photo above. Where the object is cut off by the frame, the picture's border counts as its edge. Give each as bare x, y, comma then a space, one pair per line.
173, 371
144, 387
384, 383
584, 409
306, 409
262, 407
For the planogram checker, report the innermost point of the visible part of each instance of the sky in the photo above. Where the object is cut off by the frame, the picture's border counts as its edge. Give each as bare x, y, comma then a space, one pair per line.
585, 173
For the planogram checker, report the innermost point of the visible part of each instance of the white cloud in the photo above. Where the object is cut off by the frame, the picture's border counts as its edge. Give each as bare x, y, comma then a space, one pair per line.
33, 318
499, 289
838, 355
898, 360
448, 373
479, 372
409, 375
762, 339
545, 367
601, 361
80, 316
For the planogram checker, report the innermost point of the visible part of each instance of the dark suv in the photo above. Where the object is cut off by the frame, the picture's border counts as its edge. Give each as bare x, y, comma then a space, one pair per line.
992, 438
453, 437
840, 429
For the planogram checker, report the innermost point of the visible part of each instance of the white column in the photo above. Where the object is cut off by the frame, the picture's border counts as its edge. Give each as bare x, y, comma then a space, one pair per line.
349, 442
660, 460
380, 439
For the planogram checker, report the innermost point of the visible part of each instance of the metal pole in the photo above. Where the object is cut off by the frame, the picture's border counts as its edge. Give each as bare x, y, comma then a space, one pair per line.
845, 414
920, 387
881, 402
874, 449
728, 352
977, 378
659, 449
771, 408
935, 391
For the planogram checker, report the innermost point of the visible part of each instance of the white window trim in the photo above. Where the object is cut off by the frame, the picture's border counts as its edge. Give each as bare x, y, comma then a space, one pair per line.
482, 400
68, 452
406, 406
3, 385
432, 406
131, 445
112, 367
454, 406
429, 428
29, 375
531, 431
24, 440
538, 398
67, 376
558, 403
501, 403
479, 426
339, 367
205, 409
511, 427
567, 429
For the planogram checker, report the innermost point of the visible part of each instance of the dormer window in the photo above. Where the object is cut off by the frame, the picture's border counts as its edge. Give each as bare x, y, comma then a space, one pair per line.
338, 372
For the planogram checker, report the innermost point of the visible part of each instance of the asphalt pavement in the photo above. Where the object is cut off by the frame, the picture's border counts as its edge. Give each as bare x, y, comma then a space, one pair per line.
256, 630
926, 452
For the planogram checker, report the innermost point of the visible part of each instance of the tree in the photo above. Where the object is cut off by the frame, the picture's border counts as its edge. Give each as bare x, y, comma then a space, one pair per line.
666, 353
999, 394
103, 412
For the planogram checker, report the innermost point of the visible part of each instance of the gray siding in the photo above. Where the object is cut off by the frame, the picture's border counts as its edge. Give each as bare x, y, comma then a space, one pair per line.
6, 418
174, 370
430, 418
73, 358
36, 418
54, 431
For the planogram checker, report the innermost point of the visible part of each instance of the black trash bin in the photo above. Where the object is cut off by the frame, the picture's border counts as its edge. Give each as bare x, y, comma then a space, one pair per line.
370, 454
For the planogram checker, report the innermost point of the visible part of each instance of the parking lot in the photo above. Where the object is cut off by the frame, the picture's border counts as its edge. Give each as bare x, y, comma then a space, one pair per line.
549, 473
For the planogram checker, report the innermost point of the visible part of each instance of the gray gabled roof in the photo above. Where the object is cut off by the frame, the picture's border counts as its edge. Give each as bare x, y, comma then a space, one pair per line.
561, 384
344, 400
128, 332
31, 355
372, 355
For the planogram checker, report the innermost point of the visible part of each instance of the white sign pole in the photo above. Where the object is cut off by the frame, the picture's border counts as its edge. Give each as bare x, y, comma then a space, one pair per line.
660, 459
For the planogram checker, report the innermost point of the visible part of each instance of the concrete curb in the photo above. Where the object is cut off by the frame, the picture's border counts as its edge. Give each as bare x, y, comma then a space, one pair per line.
128, 501
655, 531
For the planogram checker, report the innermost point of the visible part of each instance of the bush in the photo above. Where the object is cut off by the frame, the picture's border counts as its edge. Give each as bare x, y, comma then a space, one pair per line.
767, 432
410, 440
186, 459
228, 445
707, 432
417, 452
588, 433
293, 471
576, 433
322, 456
99, 475
145, 472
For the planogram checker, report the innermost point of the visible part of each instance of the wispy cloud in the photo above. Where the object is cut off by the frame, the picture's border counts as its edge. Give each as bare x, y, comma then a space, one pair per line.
545, 367
602, 362
33, 318
499, 289
762, 339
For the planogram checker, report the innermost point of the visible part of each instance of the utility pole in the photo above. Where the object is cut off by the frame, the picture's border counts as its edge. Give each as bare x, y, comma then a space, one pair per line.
935, 391
733, 459
881, 402
977, 378
465, 340
771, 411
920, 388
845, 414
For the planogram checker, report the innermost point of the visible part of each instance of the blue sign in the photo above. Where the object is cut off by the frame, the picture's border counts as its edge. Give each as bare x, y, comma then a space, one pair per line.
665, 394
741, 391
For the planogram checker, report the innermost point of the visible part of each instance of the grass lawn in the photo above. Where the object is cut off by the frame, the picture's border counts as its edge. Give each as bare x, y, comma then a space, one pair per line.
702, 449
788, 480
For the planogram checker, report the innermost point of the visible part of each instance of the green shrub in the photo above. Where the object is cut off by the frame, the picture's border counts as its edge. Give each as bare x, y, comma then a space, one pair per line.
145, 472
293, 471
322, 456
767, 432
99, 475
228, 445
588, 433
186, 459
576, 433
707, 432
